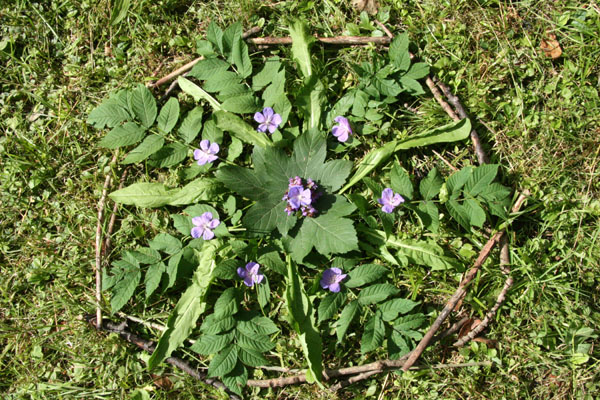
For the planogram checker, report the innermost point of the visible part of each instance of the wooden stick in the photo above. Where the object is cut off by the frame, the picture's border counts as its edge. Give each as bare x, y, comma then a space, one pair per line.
339, 40
98, 269
150, 346
440, 99
460, 291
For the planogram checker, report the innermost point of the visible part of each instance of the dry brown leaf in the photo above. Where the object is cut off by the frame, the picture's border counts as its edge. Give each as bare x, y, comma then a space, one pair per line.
551, 47
370, 6
162, 382
468, 327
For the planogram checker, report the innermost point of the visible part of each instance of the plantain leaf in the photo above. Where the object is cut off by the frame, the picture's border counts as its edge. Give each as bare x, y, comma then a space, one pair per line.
448, 133
371, 161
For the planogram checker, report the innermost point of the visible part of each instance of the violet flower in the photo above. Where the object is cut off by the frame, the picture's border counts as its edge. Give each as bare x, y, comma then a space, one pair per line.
331, 279
343, 130
250, 274
301, 197
206, 153
298, 197
389, 200
267, 120
204, 226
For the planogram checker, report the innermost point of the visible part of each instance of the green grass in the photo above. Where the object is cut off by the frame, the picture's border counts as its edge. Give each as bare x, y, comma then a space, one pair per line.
539, 119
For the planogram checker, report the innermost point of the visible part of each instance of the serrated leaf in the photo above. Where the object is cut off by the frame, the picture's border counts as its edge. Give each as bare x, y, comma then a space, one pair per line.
143, 105
346, 317
371, 161
448, 133
239, 54
143, 195
251, 357
429, 214
146, 255
200, 189
409, 322
169, 155
364, 274
241, 104
386, 87
108, 113
495, 191
165, 242
124, 135
412, 86
329, 306
169, 114
481, 178
231, 35
236, 379
264, 292
212, 344
118, 11
398, 345
197, 92
459, 213
431, 185
377, 293
400, 182
208, 68
257, 325
373, 335
243, 181
457, 180
223, 362
191, 125
240, 129
252, 341
475, 212
391, 308
214, 34
122, 291
213, 325
418, 71
173, 269
227, 303
153, 277
222, 81
398, 52
301, 42
151, 144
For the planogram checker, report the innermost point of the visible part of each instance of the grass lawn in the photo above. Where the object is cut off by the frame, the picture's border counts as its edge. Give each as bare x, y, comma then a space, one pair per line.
538, 117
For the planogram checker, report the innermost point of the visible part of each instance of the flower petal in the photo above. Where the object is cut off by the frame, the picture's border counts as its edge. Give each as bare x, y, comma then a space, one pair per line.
249, 280
334, 287
205, 144
241, 272
268, 112
207, 216
208, 234
214, 148
197, 232
213, 224
276, 119
198, 221
259, 117
387, 209
272, 127
262, 127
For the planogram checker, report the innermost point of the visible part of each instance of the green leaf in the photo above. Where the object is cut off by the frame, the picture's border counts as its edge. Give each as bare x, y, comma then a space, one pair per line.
146, 255
208, 68
240, 57
169, 155
236, 379
165, 242
448, 133
429, 214
373, 335
431, 185
398, 345
330, 305
108, 113
412, 86
423, 253
151, 144
143, 105
224, 81
400, 182
213, 324
223, 362
303, 321
264, 292
143, 195
257, 325
197, 92
251, 357
252, 341
418, 71
214, 34
377, 293
124, 135
459, 213
191, 125
119, 11
227, 303
122, 291
310, 100
348, 314
475, 212
481, 178
169, 114
268, 74
241, 104
391, 308
212, 344
457, 180
301, 42
153, 277
232, 34
371, 161
190, 306
409, 322
240, 129
242, 181
364, 274
398, 52
200, 189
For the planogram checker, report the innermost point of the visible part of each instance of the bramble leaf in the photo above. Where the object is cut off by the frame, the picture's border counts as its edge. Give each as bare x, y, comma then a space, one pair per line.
123, 135
143, 105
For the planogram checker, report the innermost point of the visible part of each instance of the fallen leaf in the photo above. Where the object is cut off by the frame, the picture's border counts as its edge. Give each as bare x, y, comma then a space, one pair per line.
369, 6
162, 382
551, 47
468, 327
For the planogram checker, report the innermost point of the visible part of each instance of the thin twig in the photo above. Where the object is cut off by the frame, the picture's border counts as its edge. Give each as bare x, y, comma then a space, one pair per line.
460, 291
489, 316
452, 167
98, 271
384, 29
440, 99
113, 217
149, 346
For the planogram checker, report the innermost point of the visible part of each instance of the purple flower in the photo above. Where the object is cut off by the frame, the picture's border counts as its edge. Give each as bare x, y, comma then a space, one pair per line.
250, 274
298, 197
389, 200
331, 279
342, 130
204, 226
267, 120
206, 152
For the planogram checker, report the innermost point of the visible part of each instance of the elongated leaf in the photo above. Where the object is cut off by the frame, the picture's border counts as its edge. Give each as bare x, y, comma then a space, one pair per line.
253, 341
310, 99
459, 213
231, 35
165, 242
213, 325
224, 81
476, 213
223, 362
257, 325
330, 305
143, 105
481, 178
371, 161
197, 92
391, 308
200, 189
251, 357
398, 52
189, 307
424, 253
240, 129
457, 180
236, 379
303, 322
150, 145
241, 104
227, 303
153, 277
377, 293
239, 54
124, 135
191, 125
214, 34
169, 114
448, 133
429, 214
143, 195
243, 181
119, 11
169, 155
373, 335
124, 289
212, 344
208, 68
418, 71
364, 274
342, 324
301, 42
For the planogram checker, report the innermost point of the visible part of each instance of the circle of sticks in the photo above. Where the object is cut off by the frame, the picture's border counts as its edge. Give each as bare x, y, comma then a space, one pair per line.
344, 375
